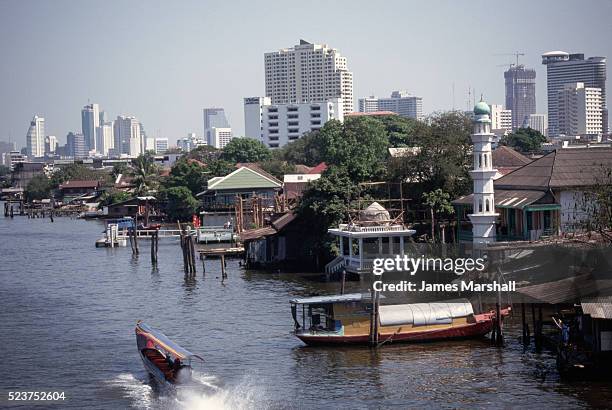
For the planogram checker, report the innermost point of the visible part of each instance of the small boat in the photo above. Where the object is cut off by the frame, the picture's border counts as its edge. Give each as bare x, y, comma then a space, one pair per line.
169, 363
347, 319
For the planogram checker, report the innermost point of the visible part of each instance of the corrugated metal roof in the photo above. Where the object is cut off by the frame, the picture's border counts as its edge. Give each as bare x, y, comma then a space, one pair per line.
565, 290
243, 178
517, 199
506, 157
597, 307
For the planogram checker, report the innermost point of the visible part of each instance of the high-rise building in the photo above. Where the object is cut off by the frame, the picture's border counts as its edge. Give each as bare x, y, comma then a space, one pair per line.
564, 68
35, 138
128, 136
537, 122
50, 144
308, 73
501, 119
579, 111
253, 116
220, 137
161, 145
279, 124
190, 142
106, 139
213, 118
90, 123
400, 103
75, 145
520, 93
5, 149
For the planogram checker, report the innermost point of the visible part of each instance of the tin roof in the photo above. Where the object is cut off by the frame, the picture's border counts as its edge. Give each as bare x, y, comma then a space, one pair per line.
79, 184
597, 307
242, 178
517, 199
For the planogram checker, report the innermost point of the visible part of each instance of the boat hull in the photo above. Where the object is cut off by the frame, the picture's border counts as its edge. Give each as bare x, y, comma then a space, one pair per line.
482, 326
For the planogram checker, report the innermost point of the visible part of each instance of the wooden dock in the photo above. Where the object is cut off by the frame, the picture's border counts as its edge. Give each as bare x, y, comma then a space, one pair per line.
218, 252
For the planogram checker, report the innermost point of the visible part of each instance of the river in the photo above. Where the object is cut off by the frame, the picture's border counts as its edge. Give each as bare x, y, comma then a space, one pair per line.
68, 312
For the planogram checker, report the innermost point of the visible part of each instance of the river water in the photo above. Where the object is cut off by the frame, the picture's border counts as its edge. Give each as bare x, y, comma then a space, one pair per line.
68, 310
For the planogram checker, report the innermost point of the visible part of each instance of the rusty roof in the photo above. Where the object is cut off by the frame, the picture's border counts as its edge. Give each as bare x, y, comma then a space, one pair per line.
79, 184
506, 157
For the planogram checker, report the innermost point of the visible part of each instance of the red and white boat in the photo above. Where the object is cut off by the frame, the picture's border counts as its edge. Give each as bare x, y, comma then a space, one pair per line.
347, 319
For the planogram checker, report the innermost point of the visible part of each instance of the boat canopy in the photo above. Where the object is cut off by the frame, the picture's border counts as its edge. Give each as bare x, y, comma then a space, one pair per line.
162, 341
322, 300
419, 314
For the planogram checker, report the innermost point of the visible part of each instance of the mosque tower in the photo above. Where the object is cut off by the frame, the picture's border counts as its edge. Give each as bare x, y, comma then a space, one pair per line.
483, 216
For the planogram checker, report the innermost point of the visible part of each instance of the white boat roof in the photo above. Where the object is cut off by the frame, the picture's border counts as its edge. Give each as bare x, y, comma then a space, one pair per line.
349, 297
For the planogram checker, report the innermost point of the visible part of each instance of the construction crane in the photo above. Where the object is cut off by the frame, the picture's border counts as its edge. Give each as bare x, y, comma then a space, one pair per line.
516, 54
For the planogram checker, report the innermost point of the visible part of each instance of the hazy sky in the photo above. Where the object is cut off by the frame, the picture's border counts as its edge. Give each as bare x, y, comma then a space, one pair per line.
163, 61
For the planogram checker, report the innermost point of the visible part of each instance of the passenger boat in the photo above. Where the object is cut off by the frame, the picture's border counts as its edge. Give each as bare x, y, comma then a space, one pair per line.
169, 363
347, 319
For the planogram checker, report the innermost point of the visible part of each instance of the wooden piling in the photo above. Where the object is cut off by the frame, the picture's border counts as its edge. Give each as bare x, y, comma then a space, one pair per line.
223, 271
154, 238
343, 281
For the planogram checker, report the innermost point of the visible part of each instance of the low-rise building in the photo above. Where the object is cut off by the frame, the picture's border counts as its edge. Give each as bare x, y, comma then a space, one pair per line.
72, 189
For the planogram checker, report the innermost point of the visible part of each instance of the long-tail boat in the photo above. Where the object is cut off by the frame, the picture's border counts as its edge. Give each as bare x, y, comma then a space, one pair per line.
351, 319
169, 363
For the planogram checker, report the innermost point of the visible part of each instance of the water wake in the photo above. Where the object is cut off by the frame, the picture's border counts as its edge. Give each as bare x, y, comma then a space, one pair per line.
210, 397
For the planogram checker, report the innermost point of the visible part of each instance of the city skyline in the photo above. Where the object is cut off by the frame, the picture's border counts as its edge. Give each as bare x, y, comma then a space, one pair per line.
173, 78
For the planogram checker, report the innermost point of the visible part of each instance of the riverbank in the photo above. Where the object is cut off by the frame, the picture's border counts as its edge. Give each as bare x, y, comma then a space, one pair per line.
68, 312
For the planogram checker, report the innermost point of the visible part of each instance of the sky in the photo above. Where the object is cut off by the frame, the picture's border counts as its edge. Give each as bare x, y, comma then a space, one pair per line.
164, 61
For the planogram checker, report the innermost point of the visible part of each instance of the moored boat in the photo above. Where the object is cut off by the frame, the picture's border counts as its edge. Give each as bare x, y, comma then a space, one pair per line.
348, 319
169, 363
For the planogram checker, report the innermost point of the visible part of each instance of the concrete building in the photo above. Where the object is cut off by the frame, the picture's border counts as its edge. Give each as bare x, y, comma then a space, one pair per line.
106, 140
220, 137
90, 122
280, 124
50, 144
579, 111
75, 146
161, 145
307, 73
564, 68
35, 138
483, 214
520, 93
537, 122
13, 158
400, 103
190, 142
128, 136
214, 118
501, 119
253, 116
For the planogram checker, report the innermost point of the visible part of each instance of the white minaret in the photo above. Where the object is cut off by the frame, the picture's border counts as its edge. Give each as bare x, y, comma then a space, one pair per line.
484, 216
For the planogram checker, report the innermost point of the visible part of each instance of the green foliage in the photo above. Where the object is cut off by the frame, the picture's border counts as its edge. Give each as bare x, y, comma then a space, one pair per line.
245, 150
180, 203
118, 169
190, 174
145, 172
306, 150
113, 197
204, 153
438, 201
325, 204
38, 188
278, 168
526, 140
401, 131
76, 171
220, 168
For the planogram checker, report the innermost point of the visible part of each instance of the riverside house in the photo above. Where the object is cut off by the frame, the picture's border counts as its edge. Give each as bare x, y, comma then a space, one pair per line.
544, 197
246, 182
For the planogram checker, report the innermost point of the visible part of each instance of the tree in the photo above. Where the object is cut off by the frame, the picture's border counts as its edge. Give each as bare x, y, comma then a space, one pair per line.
526, 140
180, 203
76, 171
4, 170
145, 173
38, 188
112, 196
324, 204
204, 153
438, 202
306, 150
245, 150
119, 169
190, 174
278, 168
359, 145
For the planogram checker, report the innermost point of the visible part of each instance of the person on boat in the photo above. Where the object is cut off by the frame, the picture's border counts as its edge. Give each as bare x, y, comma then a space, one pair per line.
177, 365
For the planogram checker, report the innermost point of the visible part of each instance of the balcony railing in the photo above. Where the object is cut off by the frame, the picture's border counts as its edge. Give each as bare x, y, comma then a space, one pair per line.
357, 228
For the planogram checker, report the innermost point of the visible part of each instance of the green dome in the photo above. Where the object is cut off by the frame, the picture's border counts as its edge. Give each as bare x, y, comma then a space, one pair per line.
482, 108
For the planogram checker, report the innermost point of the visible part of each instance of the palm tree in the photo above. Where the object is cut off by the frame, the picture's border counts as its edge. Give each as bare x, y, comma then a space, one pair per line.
146, 181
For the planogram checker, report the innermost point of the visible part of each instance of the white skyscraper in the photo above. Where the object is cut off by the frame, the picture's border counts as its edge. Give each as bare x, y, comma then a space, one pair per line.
501, 119
161, 145
50, 144
483, 215
278, 124
35, 138
400, 103
308, 73
537, 122
106, 139
213, 118
90, 122
128, 136
579, 111
220, 137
